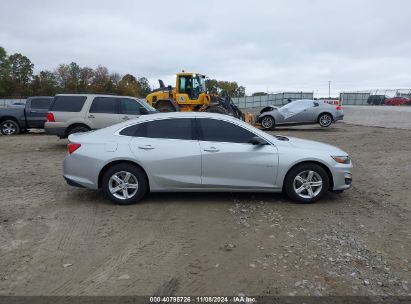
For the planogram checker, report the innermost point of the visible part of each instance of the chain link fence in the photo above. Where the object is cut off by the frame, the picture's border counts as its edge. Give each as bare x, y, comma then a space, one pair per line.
276, 99
364, 97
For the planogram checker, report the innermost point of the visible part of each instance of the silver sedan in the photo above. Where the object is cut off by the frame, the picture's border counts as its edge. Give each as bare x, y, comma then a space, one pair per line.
201, 152
304, 111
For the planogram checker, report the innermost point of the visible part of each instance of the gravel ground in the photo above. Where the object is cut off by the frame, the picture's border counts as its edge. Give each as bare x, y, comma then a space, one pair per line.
58, 240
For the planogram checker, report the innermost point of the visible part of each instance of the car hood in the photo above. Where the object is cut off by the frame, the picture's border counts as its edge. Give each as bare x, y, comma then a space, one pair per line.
313, 145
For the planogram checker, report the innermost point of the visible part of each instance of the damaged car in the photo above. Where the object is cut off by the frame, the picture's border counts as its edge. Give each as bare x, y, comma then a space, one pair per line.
304, 111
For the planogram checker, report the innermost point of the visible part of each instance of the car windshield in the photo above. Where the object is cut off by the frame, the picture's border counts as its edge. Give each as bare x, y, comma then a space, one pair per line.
146, 105
295, 107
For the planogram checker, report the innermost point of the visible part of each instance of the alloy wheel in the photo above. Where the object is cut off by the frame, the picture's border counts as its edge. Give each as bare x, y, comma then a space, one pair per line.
307, 184
267, 122
123, 185
9, 128
325, 120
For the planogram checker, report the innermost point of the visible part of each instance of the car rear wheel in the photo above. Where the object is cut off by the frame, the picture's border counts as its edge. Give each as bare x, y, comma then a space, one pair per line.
325, 120
124, 184
267, 122
9, 127
306, 183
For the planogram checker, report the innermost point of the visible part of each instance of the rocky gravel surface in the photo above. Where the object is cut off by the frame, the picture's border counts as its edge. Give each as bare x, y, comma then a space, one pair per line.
59, 240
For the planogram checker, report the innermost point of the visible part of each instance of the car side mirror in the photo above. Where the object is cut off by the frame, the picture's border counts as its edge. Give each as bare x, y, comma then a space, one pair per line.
143, 111
316, 104
257, 141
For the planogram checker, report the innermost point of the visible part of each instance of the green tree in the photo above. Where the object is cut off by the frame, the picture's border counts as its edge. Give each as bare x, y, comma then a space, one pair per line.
4, 72
225, 88
129, 86
101, 81
259, 94
144, 87
68, 77
212, 86
20, 74
85, 79
45, 83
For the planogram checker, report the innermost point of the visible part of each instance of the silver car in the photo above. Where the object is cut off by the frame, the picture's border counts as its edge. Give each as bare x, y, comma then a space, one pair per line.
196, 151
304, 111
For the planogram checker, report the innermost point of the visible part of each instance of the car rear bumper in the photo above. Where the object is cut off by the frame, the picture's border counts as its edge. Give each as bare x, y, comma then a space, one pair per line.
80, 170
73, 183
58, 131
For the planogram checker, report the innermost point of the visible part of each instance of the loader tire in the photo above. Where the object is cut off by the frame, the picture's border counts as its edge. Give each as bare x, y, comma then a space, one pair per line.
166, 108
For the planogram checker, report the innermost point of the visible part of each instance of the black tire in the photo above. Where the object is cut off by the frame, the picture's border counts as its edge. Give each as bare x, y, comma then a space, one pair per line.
325, 120
9, 127
217, 109
78, 129
166, 108
303, 197
136, 173
268, 122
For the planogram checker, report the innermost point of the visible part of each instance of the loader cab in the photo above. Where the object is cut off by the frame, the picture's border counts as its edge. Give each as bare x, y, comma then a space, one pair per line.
189, 86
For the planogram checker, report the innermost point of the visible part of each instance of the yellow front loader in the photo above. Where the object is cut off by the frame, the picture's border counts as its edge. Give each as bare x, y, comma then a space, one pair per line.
190, 94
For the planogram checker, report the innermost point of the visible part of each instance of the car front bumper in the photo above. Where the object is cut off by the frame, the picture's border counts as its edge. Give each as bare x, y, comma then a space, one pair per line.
342, 177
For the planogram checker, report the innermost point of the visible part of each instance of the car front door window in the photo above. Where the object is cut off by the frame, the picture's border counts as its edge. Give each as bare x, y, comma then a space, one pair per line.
229, 160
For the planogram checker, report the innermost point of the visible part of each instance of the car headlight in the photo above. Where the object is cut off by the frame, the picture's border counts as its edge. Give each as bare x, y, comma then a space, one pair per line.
342, 159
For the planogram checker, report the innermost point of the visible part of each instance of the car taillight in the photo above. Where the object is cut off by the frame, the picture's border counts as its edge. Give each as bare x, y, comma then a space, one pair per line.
339, 108
50, 117
73, 147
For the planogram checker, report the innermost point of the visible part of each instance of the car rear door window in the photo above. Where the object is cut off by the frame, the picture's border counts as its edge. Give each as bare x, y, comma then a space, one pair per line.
130, 106
68, 103
223, 131
41, 104
106, 105
173, 128
133, 131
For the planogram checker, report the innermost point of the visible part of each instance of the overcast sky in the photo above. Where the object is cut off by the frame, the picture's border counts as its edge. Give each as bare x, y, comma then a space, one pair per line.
264, 45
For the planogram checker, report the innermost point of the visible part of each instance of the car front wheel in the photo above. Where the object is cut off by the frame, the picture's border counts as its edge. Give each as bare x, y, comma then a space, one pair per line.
267, 122
124, 184
306, 183
325, 120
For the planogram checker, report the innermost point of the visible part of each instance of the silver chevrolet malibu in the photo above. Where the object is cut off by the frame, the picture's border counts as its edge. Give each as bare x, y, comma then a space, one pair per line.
195, 151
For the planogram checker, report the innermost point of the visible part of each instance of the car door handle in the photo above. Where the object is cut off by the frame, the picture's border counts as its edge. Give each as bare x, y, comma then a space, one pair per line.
32, 111
212, 149
91, 116
146, 147
125, 118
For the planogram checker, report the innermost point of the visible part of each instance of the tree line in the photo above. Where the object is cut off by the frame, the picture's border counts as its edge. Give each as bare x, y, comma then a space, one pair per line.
17, 79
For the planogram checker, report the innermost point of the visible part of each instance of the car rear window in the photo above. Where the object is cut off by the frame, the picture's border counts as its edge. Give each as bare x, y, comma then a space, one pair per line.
41, 103
68, 103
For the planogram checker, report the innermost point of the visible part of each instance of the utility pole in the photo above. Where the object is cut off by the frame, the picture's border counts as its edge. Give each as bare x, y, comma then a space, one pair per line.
329, 88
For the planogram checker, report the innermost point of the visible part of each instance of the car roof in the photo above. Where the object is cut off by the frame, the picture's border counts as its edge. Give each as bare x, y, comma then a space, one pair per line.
95, 94
186, 114
33, 97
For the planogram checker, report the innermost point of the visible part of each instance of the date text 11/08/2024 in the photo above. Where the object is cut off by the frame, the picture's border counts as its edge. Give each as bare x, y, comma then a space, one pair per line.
205, 299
